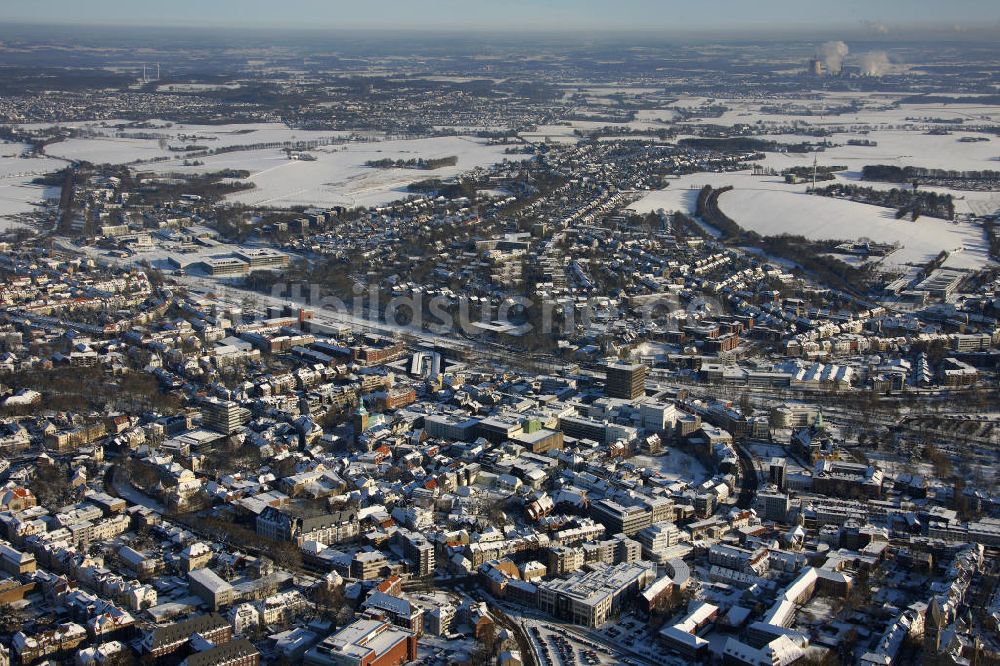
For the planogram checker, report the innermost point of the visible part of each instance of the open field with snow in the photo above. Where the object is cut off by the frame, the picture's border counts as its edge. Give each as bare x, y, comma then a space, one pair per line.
773, 212
874, 108
899, 130
114, 142
896, 147
18, 194
770, 207
675, 465
339, 176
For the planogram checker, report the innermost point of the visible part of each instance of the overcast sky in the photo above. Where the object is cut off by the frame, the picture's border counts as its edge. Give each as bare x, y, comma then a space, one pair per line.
876, 16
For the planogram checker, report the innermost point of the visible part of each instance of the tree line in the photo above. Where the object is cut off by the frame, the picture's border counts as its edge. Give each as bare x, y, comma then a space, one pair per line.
414, 163
810, 255
906, 202
708, 210
889, 173
743, 144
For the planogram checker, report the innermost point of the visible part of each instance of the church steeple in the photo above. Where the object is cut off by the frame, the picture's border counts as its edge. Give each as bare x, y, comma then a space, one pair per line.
935, 614
933, 626
360, 418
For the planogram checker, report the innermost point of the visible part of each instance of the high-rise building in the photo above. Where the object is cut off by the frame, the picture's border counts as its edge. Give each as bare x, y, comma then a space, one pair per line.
618, 518
774, 505
626, 381
657, 540
222, 416
419, 550
777, 470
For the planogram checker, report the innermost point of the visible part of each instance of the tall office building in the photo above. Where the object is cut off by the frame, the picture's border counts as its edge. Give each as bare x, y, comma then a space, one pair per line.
626, 381
223, 416
773, 506
777, 472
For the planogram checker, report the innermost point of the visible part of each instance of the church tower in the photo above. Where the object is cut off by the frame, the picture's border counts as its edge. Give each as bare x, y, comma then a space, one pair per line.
933, 627
360, 419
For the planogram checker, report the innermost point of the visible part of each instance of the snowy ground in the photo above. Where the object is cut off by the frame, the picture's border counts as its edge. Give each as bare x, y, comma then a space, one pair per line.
653, 351
769, 206
675, 465
108, 145
338, 176
436, 650
897, 147
765, 451
559, 133
876, 109
773, 212
18, 194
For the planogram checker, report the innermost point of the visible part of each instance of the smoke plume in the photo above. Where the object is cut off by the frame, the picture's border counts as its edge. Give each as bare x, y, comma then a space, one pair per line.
877, 26
832, 54
874, 63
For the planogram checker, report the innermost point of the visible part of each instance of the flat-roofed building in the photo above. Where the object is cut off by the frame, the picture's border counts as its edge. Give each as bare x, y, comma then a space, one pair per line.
259, 258
626, 380
450, 427
774, 505
657, 540
225, 266
619, 518
540, 441
211, 588
365, 642
498, 429
367, 565
418, 550
740, 559
223, 416
591, 599
397, 610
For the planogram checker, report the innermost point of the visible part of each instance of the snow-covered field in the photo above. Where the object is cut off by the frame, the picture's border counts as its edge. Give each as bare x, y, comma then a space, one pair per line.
559, 133
339, 176
675, 465
899, 130
114, 142
876, 108
770, 207
897, 147
682, 194
773, 212
17, 193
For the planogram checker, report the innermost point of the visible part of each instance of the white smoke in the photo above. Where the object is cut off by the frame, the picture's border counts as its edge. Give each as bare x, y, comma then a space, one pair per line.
877, 26
874, 63
832, 54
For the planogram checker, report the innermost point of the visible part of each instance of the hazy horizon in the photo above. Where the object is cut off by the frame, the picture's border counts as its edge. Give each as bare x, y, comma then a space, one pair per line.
854, 18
